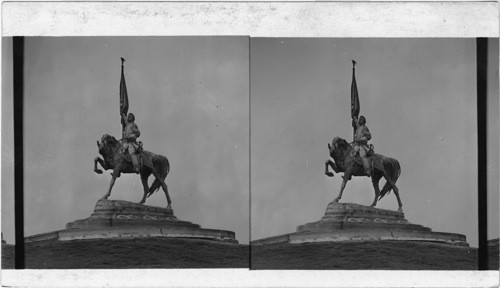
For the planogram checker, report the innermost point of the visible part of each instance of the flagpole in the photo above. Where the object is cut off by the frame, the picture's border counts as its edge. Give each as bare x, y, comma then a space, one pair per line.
353, 128
355, 107
123, 94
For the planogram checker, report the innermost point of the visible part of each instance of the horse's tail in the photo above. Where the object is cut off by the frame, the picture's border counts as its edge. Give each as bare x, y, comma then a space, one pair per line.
392, 172
162, 167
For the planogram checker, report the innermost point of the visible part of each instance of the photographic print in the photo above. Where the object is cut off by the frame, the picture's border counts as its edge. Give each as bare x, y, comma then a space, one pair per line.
250, 144
135, 152
367, 152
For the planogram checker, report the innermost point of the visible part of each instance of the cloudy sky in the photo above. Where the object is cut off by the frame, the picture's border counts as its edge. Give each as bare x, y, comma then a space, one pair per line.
419, 99
190, 97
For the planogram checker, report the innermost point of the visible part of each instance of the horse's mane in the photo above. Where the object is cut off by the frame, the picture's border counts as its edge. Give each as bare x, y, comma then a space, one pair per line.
108, 145
340, 142
109, 138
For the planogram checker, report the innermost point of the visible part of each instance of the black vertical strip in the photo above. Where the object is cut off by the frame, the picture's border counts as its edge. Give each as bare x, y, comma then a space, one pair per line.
18, 54
482, 65
249, 155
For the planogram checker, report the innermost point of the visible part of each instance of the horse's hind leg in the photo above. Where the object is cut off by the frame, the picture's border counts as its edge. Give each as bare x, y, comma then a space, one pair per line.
164, 187
144, 180
375, 181
396, 192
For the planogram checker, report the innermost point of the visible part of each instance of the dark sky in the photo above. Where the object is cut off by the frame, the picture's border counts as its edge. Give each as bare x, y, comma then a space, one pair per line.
190, 98
419, 99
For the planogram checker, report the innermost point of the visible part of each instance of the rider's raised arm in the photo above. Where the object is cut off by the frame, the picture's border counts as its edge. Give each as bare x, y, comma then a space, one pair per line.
355, 121
124, 119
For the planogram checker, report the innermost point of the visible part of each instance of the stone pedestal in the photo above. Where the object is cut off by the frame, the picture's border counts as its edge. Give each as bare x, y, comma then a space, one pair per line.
123, 219
114, 213
354, 222
349, 216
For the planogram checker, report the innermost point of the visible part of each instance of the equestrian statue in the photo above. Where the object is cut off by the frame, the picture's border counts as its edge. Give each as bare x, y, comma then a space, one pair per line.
127, 156
358, 158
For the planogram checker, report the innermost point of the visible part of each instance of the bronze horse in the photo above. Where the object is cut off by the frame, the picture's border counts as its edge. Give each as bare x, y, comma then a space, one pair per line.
159, 166
342, 154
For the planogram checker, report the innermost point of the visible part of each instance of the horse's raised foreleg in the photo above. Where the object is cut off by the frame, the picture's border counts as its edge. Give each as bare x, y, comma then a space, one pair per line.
103, 165
164, 187
344, 182
330, 163
327, 172
111, 183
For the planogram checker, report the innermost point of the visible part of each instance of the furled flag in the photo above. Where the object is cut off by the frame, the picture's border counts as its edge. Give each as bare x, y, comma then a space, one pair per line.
123, 94
354, 97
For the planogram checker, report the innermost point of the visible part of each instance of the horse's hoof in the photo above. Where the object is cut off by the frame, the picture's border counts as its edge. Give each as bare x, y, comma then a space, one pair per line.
400, 210
169, 206
336, 200
329, 174
98, 171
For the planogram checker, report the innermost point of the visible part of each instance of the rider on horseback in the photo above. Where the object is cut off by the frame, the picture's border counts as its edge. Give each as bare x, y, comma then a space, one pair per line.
360, 144
129, 135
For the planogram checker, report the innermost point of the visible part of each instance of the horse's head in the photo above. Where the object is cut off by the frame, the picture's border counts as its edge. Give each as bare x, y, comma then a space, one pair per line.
107, 144
339, 149
339, 144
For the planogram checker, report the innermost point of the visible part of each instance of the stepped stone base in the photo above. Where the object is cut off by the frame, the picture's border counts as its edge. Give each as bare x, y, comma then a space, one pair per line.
123, 219
354, 222
116, 213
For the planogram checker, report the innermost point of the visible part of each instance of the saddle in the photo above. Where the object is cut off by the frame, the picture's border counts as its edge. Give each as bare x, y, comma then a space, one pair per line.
369, 154
138, 150
128, 158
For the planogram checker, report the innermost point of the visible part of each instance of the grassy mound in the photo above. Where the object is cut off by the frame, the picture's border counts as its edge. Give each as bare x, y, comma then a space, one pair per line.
130, 253
383, 255
191, 253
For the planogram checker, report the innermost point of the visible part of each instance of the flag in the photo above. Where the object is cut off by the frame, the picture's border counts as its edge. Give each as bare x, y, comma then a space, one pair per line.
123, 93
354, 97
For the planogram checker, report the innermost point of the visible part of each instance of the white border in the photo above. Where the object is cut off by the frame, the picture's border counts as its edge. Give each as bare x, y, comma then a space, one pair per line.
256, 19
245, 278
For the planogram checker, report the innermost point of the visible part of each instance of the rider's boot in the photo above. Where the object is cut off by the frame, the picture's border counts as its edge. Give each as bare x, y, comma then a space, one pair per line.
366, 165
135, 162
